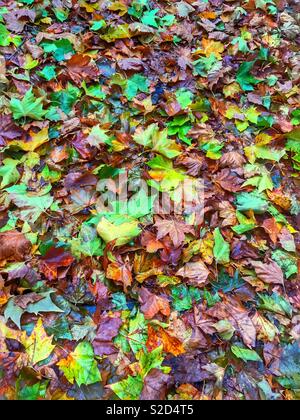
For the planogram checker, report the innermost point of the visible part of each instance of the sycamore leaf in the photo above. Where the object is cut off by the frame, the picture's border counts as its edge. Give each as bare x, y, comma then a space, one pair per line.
9, 172
122, 229
157, 140
129, 388
36, 140
245, 354
221, 248
269, 273
81, 366
29, 106
244, 78
38, 346
173, 227
14, 312
195, 271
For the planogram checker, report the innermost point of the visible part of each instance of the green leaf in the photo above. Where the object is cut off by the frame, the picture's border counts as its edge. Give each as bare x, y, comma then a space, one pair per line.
157, 140
81, 366
221, 248
150, 360
184, 297
94, 91
66, 99
226, 283
60, 49
137, 83
184, 97
139, 205
9, 172
98, 24
15, 313
29, 106
48, 73
245, 78
275, 303
6, 38
245, 354
87, 243
32, 206
287, 262
149, 18
120, 32
129, 389
98, 136
121, 229
252, 201
33, 392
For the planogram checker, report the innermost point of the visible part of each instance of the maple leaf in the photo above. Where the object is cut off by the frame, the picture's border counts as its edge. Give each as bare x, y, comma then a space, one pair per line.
270, 272
152, 304
8, 129
9, 172
121, 273
29, 106
108, 329
175, 228
14, 246
38, 346
80, 67
157, 140
195, 271
81, 366
221, 248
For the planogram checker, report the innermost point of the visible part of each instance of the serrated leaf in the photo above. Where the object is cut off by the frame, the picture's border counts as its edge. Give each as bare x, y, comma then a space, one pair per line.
29, 106
221, 248
81, 366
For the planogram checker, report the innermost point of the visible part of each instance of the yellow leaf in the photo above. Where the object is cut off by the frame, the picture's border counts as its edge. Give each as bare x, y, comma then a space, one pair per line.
37, 140
262, 139
231, 90
39, 345
212, 47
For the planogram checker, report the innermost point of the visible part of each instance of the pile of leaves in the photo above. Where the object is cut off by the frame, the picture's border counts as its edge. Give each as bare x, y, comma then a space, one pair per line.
114, 304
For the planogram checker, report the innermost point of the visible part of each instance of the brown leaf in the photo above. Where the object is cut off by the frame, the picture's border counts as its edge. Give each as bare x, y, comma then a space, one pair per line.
238, 316
80, 67
195, 271
17, 19
155, 385
269, 273
232, 160
228, 180
54, 260
151, 304
24, 300
8, 129
131, 64
14, 246
108, 329
173, 227
271, 227
228, 213
193, 162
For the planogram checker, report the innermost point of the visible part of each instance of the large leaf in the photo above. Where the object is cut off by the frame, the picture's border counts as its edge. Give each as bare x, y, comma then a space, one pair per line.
29, 106
81, 366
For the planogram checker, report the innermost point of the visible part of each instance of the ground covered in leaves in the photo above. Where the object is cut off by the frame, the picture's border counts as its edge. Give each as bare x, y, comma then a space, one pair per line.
99, 303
